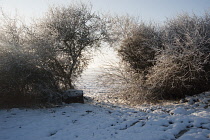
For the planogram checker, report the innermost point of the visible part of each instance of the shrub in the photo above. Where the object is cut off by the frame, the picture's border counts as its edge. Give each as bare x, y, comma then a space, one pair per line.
140, 48
23, 83
182, 68
177, 74
174, 60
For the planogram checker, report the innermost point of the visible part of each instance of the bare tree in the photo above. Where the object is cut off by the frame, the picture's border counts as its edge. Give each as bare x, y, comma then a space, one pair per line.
118, 28
63, 38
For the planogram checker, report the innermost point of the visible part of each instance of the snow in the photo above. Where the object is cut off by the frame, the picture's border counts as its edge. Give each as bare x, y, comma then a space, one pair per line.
189, 120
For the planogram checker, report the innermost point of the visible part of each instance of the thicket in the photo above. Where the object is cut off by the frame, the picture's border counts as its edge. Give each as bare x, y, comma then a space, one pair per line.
167, 62
40, 61
23, 80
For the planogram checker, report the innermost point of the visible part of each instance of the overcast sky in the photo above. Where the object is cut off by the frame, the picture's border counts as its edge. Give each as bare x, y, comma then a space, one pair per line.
154, 10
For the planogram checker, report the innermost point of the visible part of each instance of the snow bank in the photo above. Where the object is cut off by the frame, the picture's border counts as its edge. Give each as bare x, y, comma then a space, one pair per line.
183, 121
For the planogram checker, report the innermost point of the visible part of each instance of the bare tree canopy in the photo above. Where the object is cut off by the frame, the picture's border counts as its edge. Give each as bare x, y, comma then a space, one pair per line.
63, 38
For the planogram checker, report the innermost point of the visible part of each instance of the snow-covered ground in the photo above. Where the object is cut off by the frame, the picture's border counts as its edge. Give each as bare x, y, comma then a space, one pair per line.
188, 120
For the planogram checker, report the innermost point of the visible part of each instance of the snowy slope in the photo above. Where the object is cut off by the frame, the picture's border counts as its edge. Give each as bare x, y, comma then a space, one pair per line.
189, 120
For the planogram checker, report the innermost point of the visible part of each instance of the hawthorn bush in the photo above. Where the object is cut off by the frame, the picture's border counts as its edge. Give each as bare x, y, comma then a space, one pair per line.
40, 61
23, 82
139, 49
174, 60
182, 67
63, 39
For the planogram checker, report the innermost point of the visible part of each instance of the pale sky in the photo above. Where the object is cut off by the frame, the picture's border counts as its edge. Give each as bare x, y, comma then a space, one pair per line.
146, 10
